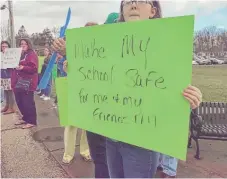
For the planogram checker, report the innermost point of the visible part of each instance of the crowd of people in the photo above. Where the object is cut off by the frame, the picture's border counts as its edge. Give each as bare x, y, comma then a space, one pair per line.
111, 158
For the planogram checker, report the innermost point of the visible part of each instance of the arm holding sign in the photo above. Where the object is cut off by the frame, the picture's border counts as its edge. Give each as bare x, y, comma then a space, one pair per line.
30, 64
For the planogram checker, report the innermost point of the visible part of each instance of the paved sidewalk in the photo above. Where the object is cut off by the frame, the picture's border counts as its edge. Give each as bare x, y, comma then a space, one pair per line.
50, 135
22, 157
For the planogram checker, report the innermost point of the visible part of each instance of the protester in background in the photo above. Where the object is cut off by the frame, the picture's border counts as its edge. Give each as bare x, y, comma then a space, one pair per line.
45, 93
6, 85
24, 82
60, 60
70, 132
60, 72
112, 18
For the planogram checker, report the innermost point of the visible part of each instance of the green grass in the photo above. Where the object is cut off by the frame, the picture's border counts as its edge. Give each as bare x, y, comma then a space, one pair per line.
41, 59
212, 81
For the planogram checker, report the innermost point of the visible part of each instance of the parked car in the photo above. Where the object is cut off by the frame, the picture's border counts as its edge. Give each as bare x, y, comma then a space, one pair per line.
220, 61
216, 61
194, 63
196, 58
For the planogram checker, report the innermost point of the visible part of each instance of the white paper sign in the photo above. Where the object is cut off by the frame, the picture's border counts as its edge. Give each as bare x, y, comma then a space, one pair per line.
11, 58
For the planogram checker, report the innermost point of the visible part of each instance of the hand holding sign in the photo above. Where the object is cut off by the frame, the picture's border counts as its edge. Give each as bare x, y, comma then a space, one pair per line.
21, 67
193, 95
59, 46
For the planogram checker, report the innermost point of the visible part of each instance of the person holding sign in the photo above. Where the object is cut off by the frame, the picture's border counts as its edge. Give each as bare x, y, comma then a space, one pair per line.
24, 82
70, 132
96, 143
6, 85
125, 160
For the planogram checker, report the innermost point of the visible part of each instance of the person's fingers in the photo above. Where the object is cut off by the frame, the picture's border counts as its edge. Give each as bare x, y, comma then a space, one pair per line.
193, 93
55, 46
192, 104
58, 44
61, 41
194, 89
193, 99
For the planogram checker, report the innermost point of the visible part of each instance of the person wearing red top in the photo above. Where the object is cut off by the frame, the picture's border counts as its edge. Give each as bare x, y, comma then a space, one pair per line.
27, 70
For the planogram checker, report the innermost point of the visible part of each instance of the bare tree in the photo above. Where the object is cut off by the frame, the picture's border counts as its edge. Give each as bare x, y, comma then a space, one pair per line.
22, 33
5, 35
48, 36
55, 31
211, 40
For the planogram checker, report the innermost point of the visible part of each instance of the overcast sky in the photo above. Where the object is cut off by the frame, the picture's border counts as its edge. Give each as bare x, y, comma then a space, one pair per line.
36, 15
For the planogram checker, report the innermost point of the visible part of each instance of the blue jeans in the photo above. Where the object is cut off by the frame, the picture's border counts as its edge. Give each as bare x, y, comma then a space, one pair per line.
128, 161
47, 90
168, 164
97, 147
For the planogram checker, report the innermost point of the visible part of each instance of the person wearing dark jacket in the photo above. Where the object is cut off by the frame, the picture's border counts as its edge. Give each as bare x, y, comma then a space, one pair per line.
24, 82
6, 85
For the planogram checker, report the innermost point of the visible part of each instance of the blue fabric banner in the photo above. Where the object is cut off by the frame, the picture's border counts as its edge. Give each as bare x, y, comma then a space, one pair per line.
47, 74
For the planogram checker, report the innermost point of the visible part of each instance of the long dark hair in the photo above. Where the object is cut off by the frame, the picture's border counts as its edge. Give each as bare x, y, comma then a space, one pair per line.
155, 4
47, 59
5, 42
28, 41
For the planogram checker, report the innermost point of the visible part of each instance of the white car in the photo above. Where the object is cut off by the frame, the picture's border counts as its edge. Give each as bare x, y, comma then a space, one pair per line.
216, 61
194, 63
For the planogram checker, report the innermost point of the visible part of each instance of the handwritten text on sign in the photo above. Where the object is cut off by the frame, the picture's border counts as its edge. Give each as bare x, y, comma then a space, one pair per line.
11, 58
126, 83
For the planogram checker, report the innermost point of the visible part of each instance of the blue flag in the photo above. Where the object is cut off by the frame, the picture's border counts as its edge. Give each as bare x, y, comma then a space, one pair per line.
47, 74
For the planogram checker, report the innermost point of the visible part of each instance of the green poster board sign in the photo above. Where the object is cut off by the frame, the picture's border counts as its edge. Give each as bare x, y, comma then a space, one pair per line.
126, 82
62, 95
